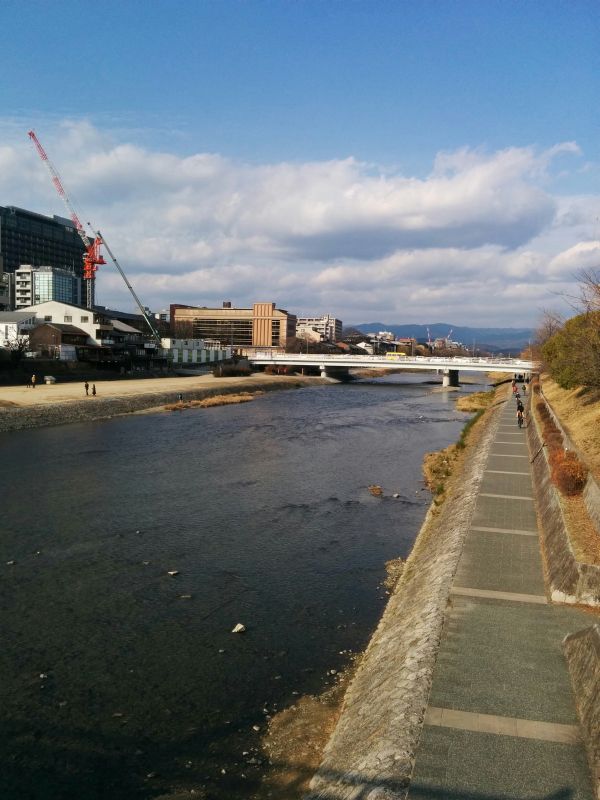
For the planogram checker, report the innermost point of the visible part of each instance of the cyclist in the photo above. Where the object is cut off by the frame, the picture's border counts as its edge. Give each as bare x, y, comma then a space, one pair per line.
520, 418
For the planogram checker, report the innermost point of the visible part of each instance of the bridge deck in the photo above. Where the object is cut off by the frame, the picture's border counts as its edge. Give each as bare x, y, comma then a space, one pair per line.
394, 361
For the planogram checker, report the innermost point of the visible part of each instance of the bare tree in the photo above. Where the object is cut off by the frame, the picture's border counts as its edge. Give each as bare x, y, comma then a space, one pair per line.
589, 283
17, 345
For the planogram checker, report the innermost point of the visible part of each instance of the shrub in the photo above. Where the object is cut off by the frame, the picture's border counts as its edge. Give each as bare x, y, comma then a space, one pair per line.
553, 439
568, 473
231, 370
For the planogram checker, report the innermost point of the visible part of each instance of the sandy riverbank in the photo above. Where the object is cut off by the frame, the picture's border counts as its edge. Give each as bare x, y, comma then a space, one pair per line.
61, 403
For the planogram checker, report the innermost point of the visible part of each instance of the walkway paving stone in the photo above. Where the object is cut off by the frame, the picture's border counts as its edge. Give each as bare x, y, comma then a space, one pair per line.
501, 722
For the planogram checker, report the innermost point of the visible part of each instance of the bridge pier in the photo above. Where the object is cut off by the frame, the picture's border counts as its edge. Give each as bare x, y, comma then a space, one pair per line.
450, 377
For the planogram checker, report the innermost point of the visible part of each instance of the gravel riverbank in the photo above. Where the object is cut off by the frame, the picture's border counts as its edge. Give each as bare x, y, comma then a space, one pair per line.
58, 404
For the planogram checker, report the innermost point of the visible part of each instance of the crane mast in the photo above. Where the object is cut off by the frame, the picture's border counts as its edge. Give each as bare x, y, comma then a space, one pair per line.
92, 257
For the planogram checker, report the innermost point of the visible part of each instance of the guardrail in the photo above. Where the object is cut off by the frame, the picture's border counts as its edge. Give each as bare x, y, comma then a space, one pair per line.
437, 362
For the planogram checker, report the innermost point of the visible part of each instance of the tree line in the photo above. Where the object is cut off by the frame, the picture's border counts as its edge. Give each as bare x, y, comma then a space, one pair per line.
570, 350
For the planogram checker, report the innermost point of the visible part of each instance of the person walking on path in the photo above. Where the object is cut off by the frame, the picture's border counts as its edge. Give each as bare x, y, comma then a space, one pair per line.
33, 380
87, 388
93, 390
29, 382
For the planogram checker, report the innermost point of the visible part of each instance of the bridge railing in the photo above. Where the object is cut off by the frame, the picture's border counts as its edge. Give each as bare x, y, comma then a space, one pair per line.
434, 361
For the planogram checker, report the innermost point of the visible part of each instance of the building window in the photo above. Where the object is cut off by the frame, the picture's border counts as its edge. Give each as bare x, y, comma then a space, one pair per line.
47, 319
68, 319
84, 319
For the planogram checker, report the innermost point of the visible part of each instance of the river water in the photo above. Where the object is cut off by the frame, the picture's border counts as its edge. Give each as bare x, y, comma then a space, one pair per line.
119, 681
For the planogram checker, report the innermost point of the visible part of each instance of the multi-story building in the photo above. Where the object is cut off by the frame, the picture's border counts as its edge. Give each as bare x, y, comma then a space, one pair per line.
107, 339
242, 329
34, 285
5, 289
328, 327
30, 238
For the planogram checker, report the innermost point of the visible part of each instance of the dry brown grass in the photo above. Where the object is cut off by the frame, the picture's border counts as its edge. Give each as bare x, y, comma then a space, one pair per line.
8, 404
579, 414
297, 737
215, 400
437, 468
498, 377
583, 535
475, 401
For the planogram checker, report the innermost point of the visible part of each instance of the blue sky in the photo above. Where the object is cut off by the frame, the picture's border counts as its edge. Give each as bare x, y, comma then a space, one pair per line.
279, 86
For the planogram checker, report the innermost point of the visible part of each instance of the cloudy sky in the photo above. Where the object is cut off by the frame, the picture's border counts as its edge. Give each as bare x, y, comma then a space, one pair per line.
393, 162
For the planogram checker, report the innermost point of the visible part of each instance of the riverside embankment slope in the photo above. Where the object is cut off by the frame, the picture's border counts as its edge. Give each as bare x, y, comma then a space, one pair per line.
459, 668
58, 404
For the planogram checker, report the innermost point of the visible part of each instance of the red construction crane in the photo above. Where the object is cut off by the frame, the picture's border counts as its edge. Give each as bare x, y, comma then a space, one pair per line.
93, 257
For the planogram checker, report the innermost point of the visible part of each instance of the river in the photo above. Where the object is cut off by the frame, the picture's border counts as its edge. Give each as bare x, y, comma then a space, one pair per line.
120, 681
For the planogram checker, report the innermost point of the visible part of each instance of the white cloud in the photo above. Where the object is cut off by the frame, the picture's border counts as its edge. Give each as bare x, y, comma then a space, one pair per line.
481, 230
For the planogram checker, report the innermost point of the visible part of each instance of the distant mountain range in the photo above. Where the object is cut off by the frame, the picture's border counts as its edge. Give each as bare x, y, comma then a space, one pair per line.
492, 339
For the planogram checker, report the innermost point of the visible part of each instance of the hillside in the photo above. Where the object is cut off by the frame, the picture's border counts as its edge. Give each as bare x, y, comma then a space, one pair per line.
493, 339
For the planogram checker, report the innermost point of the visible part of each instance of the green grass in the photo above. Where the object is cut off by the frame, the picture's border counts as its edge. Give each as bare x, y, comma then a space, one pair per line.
467, 427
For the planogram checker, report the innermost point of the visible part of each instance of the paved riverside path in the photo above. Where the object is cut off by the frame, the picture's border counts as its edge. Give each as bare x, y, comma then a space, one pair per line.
501, 722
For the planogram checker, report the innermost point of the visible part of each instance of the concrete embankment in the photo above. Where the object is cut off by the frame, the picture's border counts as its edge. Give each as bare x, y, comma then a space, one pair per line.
571, 581
371, 751
574, 582
152, 395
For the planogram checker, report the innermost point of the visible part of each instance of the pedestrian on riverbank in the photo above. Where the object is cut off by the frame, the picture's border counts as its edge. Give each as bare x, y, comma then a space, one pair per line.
93, 390
29, 382
87, 388
33, 380
180, 397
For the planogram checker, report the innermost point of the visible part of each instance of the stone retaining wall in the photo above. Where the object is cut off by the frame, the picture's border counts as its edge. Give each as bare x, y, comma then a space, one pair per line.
570, 580
582, 650
371, 752
95, 408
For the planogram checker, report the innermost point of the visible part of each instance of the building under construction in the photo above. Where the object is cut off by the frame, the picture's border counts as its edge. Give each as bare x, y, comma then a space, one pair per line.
30, 238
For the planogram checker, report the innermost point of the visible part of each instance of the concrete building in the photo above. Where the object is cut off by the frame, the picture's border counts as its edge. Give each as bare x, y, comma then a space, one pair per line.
242, 329
30, 238
14, 326
195, 352
108, 340
34, 285
5, 289
65, 342
327, 326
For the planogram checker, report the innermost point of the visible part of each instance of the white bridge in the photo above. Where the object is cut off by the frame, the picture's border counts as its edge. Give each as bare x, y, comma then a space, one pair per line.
332, 364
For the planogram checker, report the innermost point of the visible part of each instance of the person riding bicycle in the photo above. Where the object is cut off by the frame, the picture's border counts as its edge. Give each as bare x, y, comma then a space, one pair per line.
520, 417
520, 406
